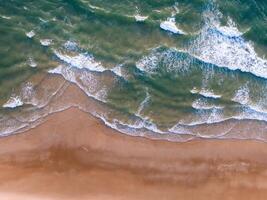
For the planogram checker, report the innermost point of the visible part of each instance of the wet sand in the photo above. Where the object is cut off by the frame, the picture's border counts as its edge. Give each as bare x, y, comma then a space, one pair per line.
72, 155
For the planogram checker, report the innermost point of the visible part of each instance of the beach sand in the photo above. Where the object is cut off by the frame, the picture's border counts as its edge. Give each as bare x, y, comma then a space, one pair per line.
73, 155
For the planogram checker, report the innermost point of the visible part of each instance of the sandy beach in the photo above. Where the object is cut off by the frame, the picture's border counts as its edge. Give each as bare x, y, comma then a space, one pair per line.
72, 155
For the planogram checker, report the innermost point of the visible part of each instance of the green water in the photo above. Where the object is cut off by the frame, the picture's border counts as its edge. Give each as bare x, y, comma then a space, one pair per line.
149, 77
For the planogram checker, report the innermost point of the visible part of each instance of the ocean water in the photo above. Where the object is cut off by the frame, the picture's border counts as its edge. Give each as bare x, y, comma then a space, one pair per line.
165, 69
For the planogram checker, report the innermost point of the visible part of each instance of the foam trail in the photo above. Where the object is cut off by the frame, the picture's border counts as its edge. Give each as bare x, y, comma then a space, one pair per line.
13, 102
81, 61
5, 17
140, 18
170, 25
30, 34
201, 104
57, 70
143, 103
46, 42
32, 62
205, 93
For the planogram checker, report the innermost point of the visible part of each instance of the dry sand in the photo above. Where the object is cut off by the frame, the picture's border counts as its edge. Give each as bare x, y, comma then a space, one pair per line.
74, 156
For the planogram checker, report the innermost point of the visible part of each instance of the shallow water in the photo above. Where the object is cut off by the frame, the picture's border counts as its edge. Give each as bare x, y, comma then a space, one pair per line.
158, 68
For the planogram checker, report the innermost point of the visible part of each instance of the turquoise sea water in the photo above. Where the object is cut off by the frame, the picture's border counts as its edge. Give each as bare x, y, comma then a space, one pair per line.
159, 68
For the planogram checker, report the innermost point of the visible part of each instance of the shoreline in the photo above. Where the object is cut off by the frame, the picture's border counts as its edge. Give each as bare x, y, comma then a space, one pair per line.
73, 96
73, 155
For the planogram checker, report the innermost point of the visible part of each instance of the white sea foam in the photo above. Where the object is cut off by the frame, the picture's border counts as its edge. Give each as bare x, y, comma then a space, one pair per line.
28, 94
89, 82
206, 93
85, 80
194, 91
46, 42
178, 129
13, 102
170, 25
5, 17
9, 125
202, 104
215, 116
30, 34
167, 57
140, 18
119, 126
209, 94
242, 95
98, 8
57, 70
117, 70
210, 116
173, 61
93, 86
31, 62
231, 30
102, 94
154, 128
252, 113
224, 46
176, 9
148, 63
143, 103
71, 45
81, 61
43, 20
141, 124
135, 127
